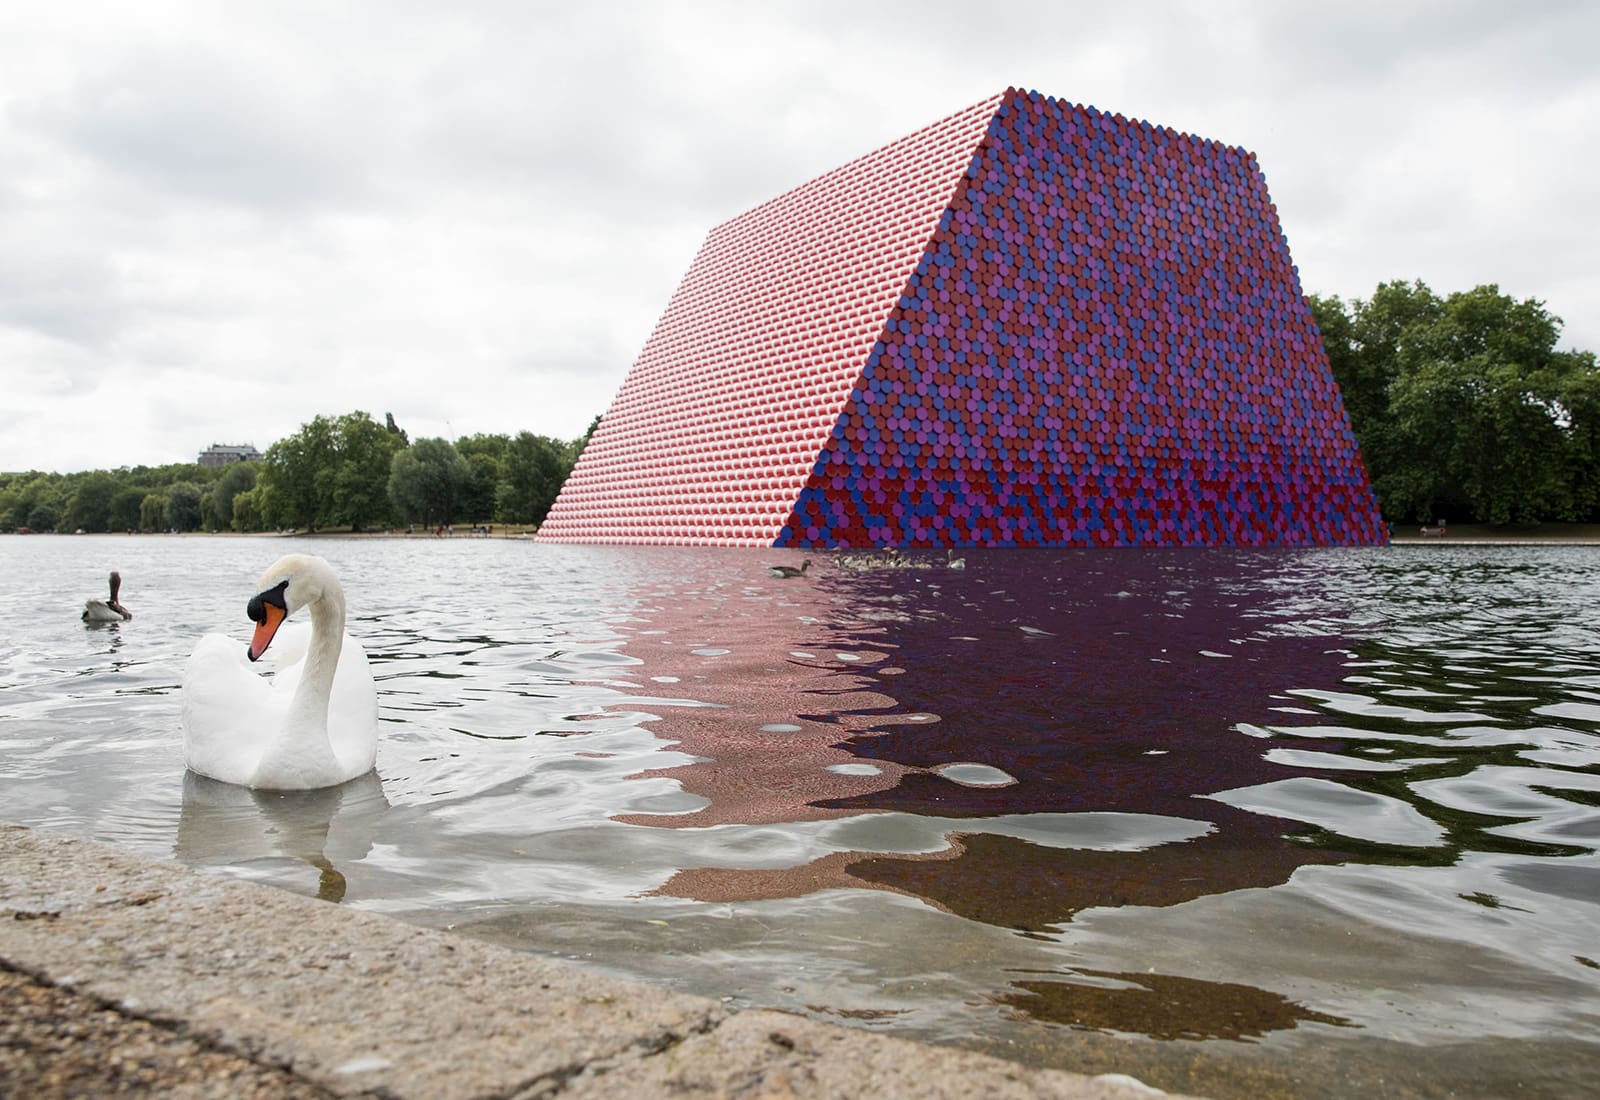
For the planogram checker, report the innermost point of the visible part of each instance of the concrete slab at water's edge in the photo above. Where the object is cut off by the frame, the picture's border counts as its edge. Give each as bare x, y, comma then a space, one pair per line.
121, 975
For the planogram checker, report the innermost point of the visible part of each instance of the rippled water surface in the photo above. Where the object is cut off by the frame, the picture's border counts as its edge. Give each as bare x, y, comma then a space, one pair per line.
1237, 822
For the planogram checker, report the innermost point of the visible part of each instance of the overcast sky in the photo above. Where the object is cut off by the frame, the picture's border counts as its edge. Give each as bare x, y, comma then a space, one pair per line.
218, 220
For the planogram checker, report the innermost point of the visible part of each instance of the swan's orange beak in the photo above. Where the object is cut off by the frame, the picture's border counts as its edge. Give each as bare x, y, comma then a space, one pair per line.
267, 609
271, 618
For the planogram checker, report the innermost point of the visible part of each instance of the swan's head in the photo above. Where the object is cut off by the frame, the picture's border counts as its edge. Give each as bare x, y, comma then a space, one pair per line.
292, 582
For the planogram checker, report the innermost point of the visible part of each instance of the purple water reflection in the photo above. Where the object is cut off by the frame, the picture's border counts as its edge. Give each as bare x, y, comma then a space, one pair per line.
1088, 691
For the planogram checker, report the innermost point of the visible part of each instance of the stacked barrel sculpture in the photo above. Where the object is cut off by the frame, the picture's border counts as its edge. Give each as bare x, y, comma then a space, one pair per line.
1032, 323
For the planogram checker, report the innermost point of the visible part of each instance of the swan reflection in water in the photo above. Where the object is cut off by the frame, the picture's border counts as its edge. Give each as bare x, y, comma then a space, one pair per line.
278, 834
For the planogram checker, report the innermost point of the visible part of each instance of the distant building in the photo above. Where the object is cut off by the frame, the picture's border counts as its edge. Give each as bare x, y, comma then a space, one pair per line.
223, 454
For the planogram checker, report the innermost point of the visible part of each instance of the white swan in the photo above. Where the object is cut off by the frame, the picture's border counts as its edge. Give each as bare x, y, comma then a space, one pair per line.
315, 722
107, 611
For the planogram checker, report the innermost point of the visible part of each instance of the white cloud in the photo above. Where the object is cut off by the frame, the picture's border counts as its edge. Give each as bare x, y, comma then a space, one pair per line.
220, 220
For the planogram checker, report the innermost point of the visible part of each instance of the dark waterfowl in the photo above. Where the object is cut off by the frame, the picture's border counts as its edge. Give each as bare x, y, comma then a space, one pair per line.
107, 611
891, 557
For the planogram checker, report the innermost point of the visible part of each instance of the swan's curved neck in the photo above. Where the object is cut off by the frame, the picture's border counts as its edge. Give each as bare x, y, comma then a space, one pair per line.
305, 734
322, 658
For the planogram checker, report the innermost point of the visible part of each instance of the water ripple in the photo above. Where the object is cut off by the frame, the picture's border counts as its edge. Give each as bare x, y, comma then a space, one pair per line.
1288, 808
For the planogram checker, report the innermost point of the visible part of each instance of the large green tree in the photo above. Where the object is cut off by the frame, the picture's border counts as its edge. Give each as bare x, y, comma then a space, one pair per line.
44, 516
123, 513
478, 499
33, 500
486, 455
237, 477
1577, 397
183, 506
250, 509
427, 482
298, 468
492, 445
1463, 406
359, 487
1364, 342
333, 472
10, 493
534, 468
91, 502
153, 512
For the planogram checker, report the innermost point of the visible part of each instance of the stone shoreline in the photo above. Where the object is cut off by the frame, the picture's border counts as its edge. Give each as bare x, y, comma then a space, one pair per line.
126, 976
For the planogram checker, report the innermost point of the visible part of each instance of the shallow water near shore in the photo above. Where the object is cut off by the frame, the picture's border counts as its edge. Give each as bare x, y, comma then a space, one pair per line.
1238, 822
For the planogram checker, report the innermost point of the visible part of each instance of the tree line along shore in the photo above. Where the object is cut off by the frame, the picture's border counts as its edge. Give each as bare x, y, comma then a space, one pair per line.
342, 473
1466, 411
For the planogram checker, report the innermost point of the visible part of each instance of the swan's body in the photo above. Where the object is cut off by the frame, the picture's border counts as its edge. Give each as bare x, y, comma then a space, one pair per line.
315, 722
787, 571
107, 611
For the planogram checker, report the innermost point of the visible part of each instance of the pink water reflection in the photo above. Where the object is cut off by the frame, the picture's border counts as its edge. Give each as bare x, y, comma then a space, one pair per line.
1058, 686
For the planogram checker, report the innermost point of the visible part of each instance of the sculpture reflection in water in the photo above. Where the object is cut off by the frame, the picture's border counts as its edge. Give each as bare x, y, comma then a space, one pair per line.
1014, 743
281, 836
1001, 694
1162, 1006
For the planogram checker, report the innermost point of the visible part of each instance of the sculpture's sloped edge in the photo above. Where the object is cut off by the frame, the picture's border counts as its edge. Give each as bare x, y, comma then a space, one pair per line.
719, 422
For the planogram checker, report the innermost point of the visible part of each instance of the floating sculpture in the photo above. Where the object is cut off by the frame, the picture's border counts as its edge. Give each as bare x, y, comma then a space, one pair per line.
1032, 323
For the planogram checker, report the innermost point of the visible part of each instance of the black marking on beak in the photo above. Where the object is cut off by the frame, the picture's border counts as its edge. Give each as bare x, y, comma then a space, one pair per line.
257, 609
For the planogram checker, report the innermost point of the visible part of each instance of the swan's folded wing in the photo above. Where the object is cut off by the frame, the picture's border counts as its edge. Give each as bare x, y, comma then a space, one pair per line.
227, 709
353, 709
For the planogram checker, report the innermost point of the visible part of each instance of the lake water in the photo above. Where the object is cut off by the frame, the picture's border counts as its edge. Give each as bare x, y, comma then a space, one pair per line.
1244, 823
